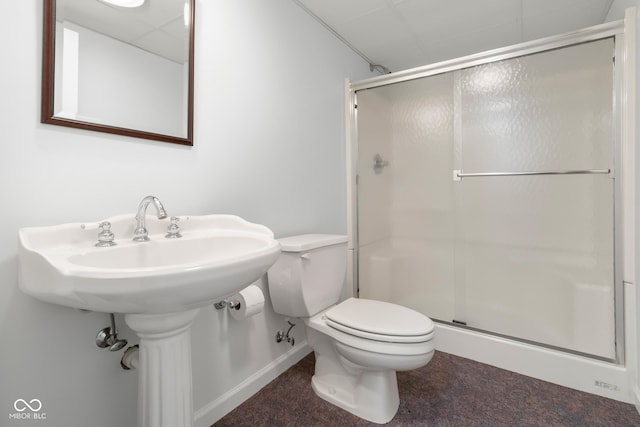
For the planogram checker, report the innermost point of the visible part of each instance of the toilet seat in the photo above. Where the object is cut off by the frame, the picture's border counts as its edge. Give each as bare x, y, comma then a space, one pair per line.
380, 321
389, 348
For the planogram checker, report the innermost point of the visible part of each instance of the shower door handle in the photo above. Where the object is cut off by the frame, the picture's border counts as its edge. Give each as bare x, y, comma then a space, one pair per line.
458, 174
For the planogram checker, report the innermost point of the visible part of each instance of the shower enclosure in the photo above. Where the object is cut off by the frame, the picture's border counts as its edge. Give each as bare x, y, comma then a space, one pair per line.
487, 196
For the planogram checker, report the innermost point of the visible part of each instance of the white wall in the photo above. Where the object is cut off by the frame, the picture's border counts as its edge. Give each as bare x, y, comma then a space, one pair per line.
269, 146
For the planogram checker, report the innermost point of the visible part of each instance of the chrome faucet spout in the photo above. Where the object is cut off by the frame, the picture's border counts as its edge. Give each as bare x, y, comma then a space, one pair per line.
141, 234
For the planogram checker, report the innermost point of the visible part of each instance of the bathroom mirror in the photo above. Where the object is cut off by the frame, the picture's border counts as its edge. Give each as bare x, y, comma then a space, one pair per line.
120, 70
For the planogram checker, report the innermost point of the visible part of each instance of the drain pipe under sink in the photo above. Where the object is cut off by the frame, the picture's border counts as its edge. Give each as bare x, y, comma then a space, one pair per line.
130, 358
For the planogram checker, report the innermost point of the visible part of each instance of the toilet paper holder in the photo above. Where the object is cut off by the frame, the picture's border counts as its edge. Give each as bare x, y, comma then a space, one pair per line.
246, 303
231, 304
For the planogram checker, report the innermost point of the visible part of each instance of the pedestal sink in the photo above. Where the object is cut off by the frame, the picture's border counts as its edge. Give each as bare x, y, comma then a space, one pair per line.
159, 285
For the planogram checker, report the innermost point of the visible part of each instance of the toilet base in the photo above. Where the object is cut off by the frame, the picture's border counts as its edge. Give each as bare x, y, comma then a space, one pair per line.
371, 395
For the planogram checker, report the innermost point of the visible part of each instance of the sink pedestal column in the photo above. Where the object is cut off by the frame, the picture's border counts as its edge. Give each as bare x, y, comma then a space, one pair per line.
165, 395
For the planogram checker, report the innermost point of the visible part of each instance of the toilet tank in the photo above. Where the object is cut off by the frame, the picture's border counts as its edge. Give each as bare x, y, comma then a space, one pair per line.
309, 274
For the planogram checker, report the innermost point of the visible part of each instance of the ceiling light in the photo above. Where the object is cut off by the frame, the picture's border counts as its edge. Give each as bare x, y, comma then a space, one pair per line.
125, 3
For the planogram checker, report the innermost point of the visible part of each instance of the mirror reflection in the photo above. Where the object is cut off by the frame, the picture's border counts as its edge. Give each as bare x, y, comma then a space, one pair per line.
120, 66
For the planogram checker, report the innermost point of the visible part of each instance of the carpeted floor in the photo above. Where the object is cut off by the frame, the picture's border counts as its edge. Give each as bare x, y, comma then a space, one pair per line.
450, 391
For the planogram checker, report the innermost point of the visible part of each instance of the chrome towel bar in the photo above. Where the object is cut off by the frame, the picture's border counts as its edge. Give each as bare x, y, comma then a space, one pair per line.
458, 174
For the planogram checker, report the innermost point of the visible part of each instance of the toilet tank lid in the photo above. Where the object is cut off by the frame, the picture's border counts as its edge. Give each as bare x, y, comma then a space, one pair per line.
306, 242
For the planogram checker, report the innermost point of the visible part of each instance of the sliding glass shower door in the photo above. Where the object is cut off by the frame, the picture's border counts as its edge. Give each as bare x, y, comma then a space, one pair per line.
491, 203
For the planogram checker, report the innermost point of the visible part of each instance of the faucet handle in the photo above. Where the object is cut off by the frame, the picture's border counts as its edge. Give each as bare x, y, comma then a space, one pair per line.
173, 232
105, 235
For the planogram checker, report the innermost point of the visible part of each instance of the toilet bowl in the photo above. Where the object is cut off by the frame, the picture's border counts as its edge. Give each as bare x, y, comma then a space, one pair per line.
356, 368
359, 344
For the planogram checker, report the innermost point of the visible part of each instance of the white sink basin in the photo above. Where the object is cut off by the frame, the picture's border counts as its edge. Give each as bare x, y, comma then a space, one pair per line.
217, 256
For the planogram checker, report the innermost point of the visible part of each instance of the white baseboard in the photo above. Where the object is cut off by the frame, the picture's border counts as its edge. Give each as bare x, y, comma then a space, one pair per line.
568, 370
212, 412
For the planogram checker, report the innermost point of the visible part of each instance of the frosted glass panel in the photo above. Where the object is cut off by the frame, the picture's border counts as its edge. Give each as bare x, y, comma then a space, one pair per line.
538, 259
406, 216
538, 250
551, 110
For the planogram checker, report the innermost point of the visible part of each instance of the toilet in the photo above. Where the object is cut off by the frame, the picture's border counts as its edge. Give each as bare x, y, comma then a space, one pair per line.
359, 344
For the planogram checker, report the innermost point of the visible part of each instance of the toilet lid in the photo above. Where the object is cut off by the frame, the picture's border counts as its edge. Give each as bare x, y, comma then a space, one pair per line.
380, 321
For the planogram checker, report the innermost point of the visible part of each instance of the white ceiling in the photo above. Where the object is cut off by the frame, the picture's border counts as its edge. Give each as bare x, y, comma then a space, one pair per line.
397, 34
157, 26
402, 34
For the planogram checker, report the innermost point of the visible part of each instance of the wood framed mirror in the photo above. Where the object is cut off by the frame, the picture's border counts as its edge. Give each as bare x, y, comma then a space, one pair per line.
121, 70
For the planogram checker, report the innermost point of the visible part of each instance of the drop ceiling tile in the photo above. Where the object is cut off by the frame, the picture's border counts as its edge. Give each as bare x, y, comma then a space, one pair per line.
164, 45
101, 18
338, 12
473, 41
543, 26
431, 18
405, 33
596, 10
551, 18
157, 12
378, 31
125, 24
177, 29
397, 57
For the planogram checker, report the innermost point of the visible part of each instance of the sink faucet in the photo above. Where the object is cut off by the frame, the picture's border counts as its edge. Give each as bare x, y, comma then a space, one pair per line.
141, 234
